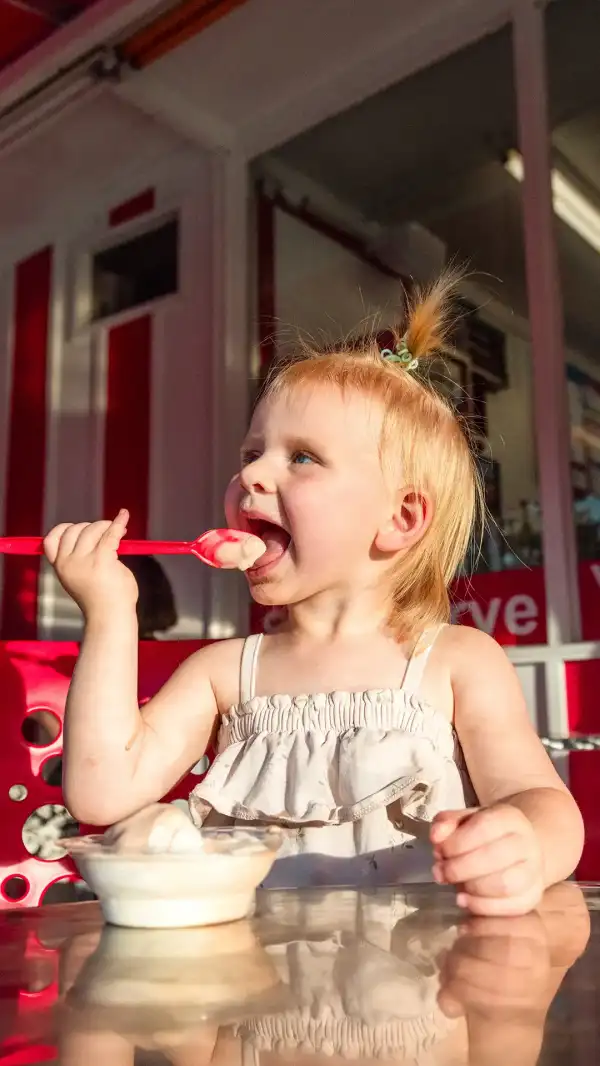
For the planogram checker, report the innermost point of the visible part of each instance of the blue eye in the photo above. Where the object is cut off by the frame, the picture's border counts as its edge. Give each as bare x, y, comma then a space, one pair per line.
249, 457
302, 458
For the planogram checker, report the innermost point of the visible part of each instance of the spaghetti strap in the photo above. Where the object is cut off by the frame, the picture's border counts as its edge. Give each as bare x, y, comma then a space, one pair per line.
248, 667
415, 668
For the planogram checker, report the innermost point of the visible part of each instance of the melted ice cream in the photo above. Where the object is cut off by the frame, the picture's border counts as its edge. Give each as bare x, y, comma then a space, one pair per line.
241, 555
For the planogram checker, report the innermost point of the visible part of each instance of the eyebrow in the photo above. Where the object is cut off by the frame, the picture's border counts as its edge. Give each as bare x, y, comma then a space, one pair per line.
291, 444
252, 440
302, 444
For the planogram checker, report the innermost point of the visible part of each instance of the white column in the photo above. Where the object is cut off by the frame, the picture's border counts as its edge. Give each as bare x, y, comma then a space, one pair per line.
181, 435
70, 483
552, 429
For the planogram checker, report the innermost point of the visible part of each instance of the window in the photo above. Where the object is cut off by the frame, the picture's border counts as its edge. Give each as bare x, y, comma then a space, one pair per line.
135, 272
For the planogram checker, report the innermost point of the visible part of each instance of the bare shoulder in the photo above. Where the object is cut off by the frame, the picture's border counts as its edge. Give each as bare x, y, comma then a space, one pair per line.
220, 663
465, 644
481, 674
475, 662
461, 658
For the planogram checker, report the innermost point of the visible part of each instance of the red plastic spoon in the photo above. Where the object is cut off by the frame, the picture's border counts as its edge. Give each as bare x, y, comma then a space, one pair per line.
207, 547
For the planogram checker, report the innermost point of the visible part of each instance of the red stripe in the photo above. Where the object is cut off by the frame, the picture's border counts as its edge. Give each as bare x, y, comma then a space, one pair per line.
24, 499
138, 205
127, 427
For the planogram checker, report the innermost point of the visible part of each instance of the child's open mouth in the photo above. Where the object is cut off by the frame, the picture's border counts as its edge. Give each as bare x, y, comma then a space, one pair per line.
276, 539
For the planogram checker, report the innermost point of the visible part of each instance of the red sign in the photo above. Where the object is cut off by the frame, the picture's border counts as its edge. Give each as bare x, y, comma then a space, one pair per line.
509, 605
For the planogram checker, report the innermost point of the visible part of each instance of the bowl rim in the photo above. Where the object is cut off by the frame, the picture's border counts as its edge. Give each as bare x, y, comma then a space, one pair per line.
92, 844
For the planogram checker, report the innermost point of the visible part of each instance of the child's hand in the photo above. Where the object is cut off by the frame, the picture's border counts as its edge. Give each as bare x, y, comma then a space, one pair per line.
493, 854
85, 558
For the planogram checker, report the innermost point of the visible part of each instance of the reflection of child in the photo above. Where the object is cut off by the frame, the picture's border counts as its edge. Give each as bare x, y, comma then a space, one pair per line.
359, 985
365, 723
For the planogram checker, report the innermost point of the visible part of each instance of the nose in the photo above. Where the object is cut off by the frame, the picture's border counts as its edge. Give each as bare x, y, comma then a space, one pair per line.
258, 477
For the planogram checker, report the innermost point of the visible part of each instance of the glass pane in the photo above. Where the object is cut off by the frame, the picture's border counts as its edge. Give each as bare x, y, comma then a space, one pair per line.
396, 188
573, 32
135, 272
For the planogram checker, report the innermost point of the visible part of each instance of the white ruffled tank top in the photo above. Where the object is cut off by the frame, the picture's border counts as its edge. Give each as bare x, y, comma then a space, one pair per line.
355, 777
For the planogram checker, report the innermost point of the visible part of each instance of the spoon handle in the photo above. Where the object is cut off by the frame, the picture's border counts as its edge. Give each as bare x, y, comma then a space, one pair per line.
35, 546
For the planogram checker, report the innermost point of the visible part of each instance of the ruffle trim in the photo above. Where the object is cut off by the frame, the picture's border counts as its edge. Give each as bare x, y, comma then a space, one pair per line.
300, 778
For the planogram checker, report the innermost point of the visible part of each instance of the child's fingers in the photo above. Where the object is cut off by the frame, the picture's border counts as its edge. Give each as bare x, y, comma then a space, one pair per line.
116, 531
69, 539
446, 823
90, 537
515, 880
492, 858
52, 541
479, 828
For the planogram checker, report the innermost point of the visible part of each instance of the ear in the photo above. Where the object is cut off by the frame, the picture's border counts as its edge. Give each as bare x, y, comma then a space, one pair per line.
408, 522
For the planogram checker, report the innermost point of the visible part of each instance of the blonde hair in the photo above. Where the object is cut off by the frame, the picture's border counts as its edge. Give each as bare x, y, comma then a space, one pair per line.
423, 433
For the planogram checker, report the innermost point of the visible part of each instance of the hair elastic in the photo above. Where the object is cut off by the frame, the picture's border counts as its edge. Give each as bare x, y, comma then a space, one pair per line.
401, 354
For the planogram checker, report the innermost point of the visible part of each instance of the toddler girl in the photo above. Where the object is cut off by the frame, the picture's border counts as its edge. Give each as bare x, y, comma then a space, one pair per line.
392, 745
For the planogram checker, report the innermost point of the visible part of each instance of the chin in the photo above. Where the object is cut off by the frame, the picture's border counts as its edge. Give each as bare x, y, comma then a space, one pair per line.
266, 596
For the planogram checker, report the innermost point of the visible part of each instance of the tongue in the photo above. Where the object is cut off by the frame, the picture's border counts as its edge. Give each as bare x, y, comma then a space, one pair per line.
277, 541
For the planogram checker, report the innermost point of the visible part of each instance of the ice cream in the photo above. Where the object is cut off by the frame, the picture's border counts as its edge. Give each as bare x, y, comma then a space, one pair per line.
230, 549
159, 828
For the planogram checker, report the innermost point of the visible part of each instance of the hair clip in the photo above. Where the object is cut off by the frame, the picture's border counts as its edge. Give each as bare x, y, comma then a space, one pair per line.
401, 355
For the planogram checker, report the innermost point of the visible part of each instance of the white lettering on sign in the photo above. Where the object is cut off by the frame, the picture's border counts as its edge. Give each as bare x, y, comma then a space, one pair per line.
520, 614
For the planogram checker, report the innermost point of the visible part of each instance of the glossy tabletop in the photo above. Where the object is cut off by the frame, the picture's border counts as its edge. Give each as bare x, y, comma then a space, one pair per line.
397, 975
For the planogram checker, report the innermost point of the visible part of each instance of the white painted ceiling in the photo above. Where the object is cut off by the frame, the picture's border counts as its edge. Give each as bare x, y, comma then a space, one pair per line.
273, 64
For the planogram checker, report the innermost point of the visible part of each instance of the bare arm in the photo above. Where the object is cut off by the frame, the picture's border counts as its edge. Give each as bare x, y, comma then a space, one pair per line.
505, 757
101, 718
117, 758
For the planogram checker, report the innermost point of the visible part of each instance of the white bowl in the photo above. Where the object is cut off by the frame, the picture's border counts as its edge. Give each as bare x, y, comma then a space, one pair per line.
150, 890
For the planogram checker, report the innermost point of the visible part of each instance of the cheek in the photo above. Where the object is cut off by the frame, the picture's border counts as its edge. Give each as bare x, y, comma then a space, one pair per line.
356, 515
341, 517
232, 500
361, 500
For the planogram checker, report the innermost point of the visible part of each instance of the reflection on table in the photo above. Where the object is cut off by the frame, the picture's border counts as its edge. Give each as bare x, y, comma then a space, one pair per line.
392, 976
